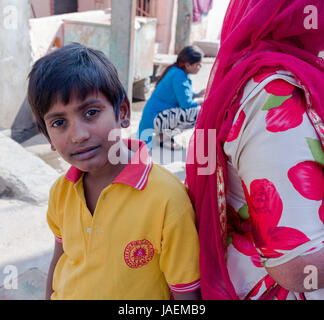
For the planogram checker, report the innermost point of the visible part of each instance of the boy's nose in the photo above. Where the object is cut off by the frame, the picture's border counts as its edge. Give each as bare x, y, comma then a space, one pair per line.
78, 132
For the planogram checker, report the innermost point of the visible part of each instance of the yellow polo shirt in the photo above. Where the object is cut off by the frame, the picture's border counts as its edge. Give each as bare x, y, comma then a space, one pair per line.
140, 242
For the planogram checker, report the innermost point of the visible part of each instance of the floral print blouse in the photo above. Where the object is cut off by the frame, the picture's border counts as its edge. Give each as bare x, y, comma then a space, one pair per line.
275, 207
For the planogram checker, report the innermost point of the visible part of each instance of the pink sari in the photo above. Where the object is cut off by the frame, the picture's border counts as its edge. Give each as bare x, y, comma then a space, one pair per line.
257, 35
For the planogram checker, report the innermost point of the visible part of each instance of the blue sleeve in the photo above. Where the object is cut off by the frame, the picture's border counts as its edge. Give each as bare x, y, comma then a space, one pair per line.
183, 91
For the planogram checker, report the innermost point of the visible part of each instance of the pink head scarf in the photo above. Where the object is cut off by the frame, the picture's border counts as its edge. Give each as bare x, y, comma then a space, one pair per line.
256, 34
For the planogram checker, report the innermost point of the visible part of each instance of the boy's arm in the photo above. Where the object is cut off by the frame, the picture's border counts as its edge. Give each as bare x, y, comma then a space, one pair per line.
193, 295
179, 258
58, 251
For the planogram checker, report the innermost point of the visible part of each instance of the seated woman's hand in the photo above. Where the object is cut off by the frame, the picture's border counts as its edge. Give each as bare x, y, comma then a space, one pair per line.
202, 93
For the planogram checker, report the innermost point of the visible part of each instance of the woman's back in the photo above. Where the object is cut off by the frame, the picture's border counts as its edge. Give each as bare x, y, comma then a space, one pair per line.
173, 91
167, 89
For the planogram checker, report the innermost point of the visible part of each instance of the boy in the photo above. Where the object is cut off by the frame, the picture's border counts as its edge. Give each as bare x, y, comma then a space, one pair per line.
123, 229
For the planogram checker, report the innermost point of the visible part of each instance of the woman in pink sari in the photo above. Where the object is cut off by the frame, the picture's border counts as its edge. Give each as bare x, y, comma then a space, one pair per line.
260, 213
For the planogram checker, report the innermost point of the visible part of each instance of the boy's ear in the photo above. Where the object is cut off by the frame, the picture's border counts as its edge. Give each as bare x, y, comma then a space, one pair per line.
53, 148
124, 113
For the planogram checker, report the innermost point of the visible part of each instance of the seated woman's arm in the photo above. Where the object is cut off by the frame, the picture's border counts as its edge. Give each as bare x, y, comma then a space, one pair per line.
183, 90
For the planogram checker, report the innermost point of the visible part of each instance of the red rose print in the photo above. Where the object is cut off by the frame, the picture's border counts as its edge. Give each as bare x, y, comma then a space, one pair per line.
280, 294
265, 209
321, 212
260, 76
239, 228
235, 130
285, 106
244, 244
279, 87
307, 178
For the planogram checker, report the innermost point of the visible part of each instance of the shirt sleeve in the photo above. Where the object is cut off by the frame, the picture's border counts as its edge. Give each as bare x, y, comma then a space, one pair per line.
53, 218
179, 260
183, 90
278, 158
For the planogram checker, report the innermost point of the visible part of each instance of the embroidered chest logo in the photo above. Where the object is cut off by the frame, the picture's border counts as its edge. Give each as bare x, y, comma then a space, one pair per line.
138, 253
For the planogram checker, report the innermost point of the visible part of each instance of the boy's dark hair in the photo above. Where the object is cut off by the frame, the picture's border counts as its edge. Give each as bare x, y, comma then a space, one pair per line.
73, 71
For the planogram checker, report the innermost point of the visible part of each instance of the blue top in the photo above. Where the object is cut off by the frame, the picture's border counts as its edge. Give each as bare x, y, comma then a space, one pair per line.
173, 91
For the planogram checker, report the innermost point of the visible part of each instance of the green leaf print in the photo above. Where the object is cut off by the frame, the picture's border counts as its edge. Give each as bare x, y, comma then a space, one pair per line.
244, 212
229, 239
316, 149
275, 101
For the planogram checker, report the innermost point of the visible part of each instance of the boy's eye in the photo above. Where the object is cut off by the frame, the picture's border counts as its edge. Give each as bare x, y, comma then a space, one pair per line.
57, 123
91, 113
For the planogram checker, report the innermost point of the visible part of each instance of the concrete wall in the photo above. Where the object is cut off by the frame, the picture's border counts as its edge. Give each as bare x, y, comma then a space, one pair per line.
166, 14
93, 29
144, 41
40, 8
210, 26
85, 5
207, 29
15, 57
215, 19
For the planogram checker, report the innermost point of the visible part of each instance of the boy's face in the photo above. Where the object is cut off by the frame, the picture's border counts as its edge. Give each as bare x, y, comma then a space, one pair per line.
79, 130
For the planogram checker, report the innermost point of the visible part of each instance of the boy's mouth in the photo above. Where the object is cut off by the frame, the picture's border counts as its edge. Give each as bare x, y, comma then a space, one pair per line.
85, 153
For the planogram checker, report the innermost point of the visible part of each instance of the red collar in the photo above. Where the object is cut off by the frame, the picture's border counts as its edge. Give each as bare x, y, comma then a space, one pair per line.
135, 174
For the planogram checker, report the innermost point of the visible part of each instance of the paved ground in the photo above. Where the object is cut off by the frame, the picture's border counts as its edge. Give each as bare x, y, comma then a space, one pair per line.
26, 242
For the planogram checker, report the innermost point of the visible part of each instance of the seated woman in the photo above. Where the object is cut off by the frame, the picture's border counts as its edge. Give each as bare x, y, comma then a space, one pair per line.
172, 106
260, 213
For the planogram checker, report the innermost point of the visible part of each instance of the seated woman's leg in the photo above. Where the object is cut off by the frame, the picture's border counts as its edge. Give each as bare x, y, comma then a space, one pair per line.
171, 122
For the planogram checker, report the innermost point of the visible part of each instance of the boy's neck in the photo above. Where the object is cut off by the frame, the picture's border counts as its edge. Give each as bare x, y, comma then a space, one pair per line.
107, 174
95, 182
